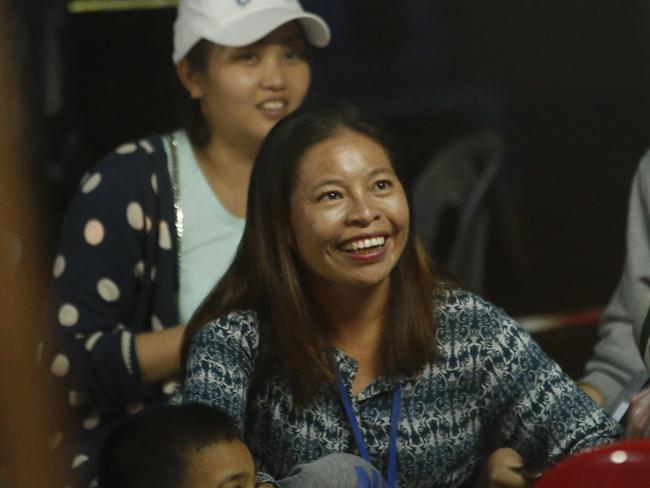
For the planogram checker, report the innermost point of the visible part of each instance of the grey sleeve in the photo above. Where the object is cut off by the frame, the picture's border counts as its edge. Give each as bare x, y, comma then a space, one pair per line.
616, 358
336, 471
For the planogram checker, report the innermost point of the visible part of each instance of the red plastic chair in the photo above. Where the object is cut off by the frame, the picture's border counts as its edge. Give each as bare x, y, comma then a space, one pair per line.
625, 464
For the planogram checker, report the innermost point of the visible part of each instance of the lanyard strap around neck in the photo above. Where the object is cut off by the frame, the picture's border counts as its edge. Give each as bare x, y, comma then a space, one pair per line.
358, 437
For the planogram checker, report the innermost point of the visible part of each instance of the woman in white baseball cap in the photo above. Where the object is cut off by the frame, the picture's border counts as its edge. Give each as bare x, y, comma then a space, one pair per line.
155, 224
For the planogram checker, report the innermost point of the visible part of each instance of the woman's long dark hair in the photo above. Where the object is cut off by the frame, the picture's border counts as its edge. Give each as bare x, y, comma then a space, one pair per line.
266, 273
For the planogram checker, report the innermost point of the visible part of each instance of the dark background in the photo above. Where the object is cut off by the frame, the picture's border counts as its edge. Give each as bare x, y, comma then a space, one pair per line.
564, 82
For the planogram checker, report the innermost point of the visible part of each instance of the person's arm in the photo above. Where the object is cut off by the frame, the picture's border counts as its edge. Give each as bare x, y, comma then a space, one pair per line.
615, 359
530, 404
158, 354
98, 275
220, 364
593, 393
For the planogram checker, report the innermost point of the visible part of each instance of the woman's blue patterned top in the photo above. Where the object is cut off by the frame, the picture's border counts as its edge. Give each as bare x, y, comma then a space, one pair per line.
490, 387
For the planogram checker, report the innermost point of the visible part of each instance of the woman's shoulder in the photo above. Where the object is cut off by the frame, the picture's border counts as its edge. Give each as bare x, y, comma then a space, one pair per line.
240, 326
454, 300
132, 171
149, 151
237, 319
460, 310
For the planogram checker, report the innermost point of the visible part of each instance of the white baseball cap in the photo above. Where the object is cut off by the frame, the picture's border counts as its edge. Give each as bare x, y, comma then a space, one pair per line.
237, 23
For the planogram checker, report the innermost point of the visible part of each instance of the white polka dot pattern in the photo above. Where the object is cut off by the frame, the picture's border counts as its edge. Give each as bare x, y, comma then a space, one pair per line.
59, 266
94, 232
147, 224
92, 340
127, 148
75, 398
135, 215
156, 324
154, 182
79, 460
164, 238
89, 423
125, 343
60, 366
91, 183
153, 273
146, 145
68, 315
138, 270
108, 290
170, 387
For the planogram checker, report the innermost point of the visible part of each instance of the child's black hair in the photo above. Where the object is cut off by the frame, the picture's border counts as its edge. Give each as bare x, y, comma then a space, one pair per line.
149, 449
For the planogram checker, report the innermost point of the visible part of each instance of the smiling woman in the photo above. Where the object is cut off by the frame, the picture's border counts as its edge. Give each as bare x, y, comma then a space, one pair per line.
243, 91
349, 213
331, 332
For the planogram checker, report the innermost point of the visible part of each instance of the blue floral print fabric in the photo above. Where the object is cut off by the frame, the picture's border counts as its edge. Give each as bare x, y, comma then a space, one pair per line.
491, 386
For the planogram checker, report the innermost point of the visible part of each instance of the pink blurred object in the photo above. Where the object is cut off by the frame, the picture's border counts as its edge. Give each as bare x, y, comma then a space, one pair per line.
625, 464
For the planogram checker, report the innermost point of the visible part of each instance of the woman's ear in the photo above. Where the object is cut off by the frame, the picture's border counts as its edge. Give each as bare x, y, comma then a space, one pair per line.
190, 79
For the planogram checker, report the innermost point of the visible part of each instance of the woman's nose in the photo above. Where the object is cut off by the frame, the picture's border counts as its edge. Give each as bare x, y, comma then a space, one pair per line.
273, 74
362, 211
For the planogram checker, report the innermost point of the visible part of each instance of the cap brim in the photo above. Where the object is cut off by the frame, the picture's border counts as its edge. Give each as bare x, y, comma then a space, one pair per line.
253, 27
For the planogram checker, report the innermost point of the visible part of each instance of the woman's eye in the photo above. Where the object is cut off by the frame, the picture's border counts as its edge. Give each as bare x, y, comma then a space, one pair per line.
383, 184
329, 195
247, 56
294, 54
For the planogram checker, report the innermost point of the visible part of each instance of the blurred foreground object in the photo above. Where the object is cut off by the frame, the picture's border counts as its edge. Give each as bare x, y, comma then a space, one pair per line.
623, 464
25, 411
638, 417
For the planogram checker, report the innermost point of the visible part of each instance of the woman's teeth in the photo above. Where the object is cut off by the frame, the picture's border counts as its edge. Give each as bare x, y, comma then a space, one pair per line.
272, 105
363, 244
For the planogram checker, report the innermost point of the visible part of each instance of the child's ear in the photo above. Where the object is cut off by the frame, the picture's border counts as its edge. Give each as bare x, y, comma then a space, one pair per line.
190, 79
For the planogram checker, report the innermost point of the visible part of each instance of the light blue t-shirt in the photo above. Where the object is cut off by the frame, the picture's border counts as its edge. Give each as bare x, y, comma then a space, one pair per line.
211, 234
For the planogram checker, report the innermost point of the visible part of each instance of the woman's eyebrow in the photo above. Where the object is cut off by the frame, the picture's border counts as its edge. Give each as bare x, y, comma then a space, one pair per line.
383, 169
331, 181
340, 181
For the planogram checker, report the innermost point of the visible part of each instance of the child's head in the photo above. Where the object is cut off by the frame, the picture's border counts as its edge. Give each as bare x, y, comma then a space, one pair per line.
179, 446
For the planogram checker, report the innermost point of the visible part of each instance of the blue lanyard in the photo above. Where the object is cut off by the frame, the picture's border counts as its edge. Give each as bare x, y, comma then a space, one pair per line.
358, 437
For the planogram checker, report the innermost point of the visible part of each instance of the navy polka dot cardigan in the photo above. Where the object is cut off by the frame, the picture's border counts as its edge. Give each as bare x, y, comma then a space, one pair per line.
115, 275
